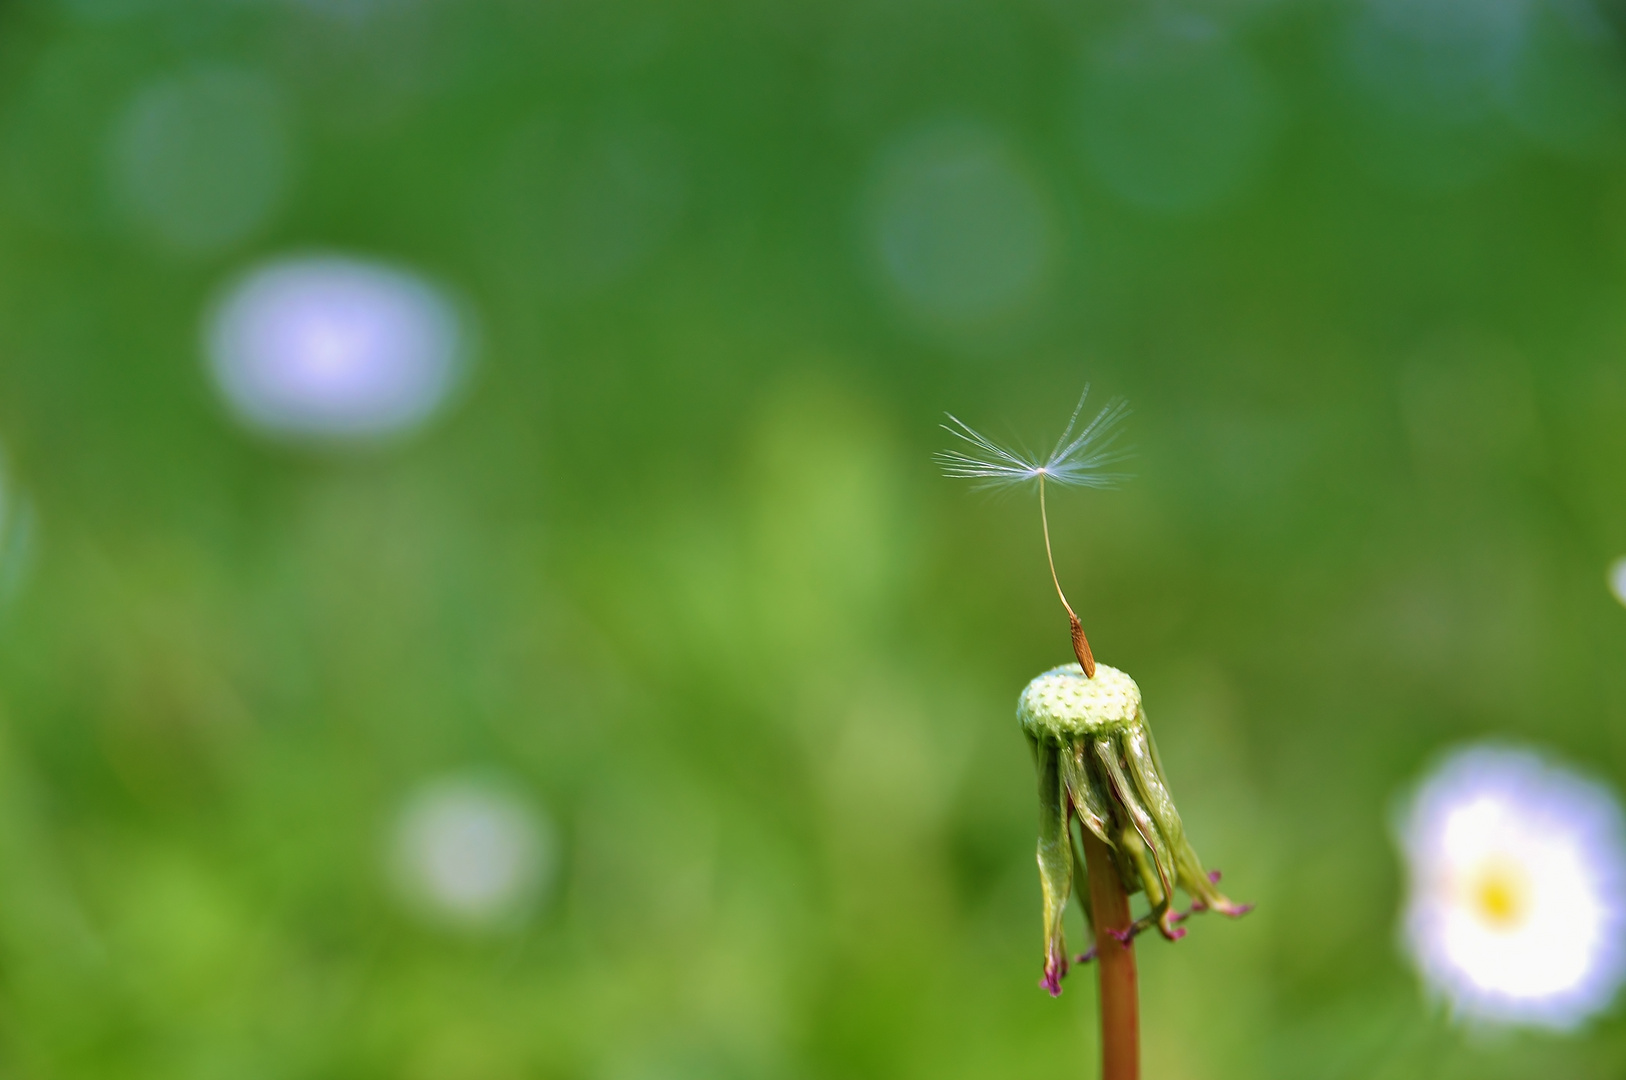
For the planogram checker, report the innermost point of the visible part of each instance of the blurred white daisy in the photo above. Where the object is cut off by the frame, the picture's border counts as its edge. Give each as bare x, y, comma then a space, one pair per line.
1517, 913
1617, 579
331, 347
471, 853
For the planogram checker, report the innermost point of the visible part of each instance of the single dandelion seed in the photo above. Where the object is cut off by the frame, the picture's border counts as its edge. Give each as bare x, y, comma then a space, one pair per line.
1096, 762
1078, 460
1517, 873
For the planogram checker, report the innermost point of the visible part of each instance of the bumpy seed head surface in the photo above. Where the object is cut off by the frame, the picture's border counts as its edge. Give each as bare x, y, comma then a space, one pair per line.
1062, 702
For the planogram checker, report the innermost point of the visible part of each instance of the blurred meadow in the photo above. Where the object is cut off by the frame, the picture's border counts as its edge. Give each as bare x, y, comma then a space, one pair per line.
635, 700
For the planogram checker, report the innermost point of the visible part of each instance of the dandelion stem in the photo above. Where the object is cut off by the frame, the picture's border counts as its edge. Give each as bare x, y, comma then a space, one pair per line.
1115, 964
1081, 644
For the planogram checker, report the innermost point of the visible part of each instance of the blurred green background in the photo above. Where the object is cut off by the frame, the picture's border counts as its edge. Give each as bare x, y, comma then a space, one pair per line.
675, 571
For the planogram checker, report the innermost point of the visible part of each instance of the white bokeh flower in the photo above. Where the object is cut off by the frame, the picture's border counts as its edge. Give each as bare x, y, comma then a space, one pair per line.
330, 347
1617, 578
1517, 868
471, 853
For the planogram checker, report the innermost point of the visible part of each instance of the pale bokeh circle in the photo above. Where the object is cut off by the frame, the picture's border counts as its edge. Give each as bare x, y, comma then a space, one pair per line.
201, 160
959, 227
471, 853
1174, 116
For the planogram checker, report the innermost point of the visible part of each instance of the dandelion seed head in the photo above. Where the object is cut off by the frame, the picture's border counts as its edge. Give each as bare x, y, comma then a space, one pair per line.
1080, 458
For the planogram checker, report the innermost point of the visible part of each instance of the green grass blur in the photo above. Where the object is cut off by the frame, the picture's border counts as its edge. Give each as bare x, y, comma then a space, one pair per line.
676, 562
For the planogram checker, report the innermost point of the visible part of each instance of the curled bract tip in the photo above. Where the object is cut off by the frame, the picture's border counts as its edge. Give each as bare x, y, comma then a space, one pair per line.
1055, 970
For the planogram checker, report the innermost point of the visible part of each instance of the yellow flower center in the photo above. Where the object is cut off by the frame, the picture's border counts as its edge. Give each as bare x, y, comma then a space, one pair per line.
1500, 894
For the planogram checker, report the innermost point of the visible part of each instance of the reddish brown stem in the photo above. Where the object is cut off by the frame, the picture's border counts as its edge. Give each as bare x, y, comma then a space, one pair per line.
1115, 964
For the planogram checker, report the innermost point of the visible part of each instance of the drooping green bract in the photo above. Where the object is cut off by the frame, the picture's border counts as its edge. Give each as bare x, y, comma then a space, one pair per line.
1096, 761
